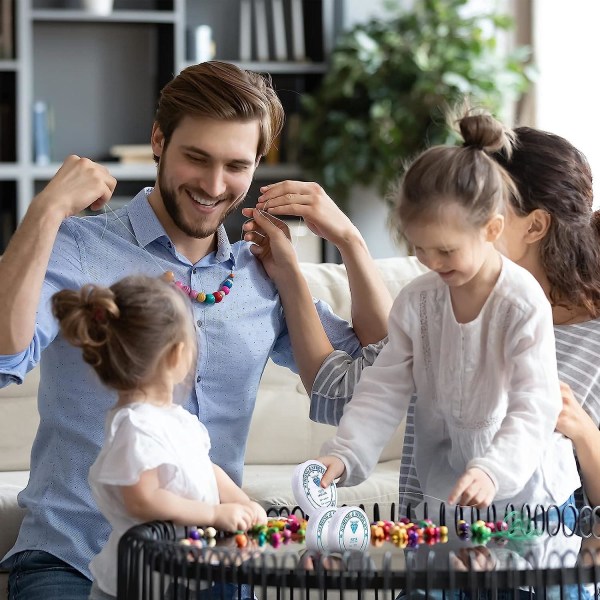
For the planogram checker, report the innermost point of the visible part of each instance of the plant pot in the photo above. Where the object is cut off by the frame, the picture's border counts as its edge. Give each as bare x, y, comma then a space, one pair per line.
370, 213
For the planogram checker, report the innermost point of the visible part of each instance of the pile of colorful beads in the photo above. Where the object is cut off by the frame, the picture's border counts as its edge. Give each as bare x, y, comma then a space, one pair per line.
277, 531
406, 534
480, 531
514, 526
200, 538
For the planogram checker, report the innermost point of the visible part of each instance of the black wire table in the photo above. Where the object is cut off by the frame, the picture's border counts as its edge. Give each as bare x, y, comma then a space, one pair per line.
555, 563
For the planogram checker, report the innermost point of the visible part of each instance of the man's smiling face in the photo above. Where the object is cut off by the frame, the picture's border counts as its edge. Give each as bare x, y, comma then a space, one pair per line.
205, 171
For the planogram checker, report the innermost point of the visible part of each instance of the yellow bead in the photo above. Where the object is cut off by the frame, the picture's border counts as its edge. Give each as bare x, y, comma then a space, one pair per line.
201, 297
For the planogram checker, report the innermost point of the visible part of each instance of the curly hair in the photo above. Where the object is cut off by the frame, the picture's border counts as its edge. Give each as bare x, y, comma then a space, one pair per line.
125, 329
554, 176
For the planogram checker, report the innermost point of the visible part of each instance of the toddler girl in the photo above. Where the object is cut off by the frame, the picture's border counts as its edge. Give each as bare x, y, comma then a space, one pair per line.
154, 465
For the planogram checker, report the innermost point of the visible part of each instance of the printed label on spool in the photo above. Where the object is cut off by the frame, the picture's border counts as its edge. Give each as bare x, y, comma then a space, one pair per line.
317, 530
306, 485
349, 530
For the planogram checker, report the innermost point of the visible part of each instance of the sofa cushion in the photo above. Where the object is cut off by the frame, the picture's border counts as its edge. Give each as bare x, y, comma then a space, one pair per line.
280, 432
11, 483
19, 422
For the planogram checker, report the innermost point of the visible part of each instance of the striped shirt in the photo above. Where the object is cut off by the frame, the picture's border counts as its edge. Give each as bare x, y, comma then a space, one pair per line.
578, 361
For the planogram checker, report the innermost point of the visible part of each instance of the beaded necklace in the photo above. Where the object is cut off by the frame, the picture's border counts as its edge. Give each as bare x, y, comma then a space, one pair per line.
202, 297
169, 276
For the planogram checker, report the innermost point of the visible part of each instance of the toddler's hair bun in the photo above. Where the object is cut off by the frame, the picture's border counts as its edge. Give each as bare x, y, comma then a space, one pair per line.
484, 132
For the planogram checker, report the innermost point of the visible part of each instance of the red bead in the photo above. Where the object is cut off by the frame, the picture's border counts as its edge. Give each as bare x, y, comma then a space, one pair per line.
218, 296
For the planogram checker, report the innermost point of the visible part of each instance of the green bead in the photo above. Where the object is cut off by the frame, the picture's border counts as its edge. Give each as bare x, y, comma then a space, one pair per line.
210, 299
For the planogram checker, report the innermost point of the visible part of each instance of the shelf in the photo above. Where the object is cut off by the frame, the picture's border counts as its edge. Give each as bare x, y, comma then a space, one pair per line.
148, 172
117, 170
281, 171
9, 65
274, 67
9, 171
117, 16
116, 65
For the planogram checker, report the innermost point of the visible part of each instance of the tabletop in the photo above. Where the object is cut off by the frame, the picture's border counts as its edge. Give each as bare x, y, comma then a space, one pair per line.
549, 556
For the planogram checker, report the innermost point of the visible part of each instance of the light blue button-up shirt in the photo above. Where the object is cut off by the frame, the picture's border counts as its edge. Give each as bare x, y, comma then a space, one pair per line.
235, 339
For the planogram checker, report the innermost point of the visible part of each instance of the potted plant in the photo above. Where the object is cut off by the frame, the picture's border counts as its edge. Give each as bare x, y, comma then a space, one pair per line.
383, 98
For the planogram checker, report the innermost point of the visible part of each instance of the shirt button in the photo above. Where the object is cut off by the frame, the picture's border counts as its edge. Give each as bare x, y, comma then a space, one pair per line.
194, 270
198, 379
170, 245
198, 322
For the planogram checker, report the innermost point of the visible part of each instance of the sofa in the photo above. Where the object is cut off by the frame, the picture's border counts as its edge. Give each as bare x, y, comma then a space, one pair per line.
281, 435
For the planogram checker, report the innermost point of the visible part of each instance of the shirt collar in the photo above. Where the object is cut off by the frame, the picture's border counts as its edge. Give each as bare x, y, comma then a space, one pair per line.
147, 228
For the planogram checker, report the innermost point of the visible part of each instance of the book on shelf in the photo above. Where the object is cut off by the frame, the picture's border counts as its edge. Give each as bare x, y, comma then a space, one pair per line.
133, 154
6, 29
291, 138
246, 30
297, 22
279, 36
41, 133
273, 156
261, 30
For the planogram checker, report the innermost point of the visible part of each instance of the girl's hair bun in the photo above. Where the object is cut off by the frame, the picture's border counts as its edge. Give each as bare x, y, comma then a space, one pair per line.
485, 133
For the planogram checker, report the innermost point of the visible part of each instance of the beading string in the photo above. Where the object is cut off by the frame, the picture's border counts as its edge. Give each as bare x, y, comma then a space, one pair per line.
248, 220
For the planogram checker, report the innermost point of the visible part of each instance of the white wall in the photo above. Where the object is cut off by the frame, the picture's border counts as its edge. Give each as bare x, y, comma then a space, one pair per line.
567, 50
359, 11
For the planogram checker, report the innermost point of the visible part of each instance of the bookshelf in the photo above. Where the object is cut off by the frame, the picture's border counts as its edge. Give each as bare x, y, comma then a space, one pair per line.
98, 78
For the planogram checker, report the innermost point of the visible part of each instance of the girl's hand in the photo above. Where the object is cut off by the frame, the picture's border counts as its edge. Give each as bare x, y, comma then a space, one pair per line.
271, 243
474, 488
573, 421
259, 516
335, 469
309, 201
233, 516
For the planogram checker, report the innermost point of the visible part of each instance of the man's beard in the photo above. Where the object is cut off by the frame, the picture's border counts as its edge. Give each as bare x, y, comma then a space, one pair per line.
199, 230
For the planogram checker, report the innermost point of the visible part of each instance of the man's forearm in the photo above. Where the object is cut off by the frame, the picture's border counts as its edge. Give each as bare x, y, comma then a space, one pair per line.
22, 271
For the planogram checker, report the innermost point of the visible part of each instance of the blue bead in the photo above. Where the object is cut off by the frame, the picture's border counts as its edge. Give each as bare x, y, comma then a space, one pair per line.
210, 299
228, 283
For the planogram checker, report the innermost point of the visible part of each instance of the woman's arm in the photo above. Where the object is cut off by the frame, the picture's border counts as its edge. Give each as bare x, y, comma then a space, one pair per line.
272, 246
371, 300
574, 423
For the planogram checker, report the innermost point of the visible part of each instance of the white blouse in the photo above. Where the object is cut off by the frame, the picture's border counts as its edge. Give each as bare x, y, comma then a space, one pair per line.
138, 438
487, 393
